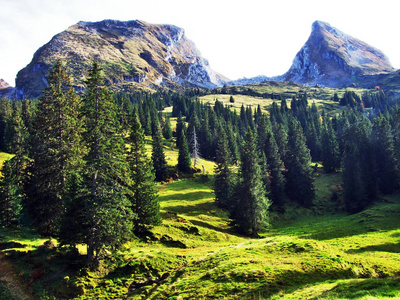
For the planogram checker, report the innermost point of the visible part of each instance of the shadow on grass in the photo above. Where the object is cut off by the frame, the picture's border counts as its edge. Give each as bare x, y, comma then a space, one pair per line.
381, 288
387, 247
215, 228
345, 289
192, 210
185, 196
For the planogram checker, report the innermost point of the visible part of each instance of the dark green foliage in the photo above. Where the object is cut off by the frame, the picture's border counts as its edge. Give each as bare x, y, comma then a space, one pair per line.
277, 180
144, 196
330, 148
184, 162
251, 207
158, 157
106, 173
360, 187
180, 127
57, 151
167, 130
233, 146
281, 138
299, 176
231, 99
224, 177
10, 195
75, 223
387, 174
5, 114
354, 192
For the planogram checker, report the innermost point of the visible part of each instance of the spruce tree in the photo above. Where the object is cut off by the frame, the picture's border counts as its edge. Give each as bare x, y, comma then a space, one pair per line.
167, 130
57, 151
330, 148
19, 146
251, 207
354, 191
360, 185
382, 141
299, 176
184, 162
5, 113
144, 197
105, 173
224, 178
180, 126
10, 196
158, 157
275, 165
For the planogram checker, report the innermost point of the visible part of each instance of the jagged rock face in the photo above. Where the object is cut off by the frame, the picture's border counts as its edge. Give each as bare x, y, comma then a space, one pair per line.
133, 54
332, 58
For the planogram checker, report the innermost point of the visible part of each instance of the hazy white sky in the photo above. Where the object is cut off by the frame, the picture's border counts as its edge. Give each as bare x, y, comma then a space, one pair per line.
239, 38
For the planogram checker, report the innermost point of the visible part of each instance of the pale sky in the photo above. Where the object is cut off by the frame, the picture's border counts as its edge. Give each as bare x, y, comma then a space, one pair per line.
239, 38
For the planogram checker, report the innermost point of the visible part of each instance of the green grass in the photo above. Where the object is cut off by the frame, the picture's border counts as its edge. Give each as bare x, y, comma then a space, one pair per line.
322, 97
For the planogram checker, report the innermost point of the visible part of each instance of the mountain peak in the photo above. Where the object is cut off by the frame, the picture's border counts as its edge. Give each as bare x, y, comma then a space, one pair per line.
333, 58
134, 55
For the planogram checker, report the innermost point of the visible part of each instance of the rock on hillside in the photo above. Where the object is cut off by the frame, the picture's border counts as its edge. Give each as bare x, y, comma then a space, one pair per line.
133, 54
332, 58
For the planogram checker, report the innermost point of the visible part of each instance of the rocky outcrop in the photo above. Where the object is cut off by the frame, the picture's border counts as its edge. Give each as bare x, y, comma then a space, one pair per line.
133, 54
332, 58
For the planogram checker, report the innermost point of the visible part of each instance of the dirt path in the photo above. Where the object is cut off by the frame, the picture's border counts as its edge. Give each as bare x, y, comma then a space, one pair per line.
10, 278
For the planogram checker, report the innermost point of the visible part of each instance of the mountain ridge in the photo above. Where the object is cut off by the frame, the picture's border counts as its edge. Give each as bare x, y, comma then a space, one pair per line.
134, 54
332, 58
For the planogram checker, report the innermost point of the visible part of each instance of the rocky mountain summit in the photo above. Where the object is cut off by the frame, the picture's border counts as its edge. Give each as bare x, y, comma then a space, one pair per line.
332, 58
133, 54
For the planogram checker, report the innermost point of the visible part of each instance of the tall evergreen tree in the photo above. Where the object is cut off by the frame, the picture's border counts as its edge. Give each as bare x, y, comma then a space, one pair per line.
360, 186
277, 180
251, 207
299, 176
167, 130
105, 174
5, 113
10, 195
57, 151
386, 172
330, 148
354, 191
158, 157
144, 197
224, 177
180, 126
184, 162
